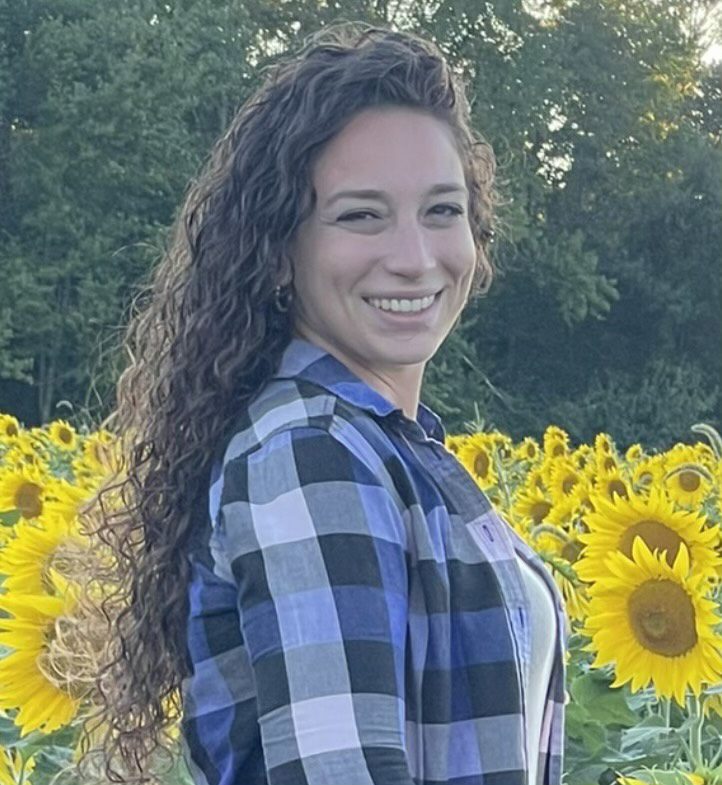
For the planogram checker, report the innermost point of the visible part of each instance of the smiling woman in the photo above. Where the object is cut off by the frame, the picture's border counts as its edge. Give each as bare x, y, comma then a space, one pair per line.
315, 581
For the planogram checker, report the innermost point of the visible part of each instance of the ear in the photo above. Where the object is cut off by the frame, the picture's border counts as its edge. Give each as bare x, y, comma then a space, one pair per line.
287, 266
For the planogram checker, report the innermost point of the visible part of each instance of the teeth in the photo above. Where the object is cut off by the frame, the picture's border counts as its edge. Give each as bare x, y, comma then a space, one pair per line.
420, 304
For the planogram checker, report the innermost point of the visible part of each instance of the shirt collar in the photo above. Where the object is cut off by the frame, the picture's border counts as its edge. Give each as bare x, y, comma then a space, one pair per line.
305, 360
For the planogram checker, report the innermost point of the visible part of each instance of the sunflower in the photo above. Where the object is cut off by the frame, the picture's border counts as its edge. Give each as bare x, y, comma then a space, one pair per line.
454, 441
647, 472
101, 454
532, 503
607, 463
535, 477
613, 525
22, 489
564, 477
503, 444
28, 555
576, 601
24, 681
556, 442
610, 484
62, 435
686, 479
528, 450
583, 456
604, 444
562, 548
634, 453
9, 427
712, 703
25, 451
476, 454
582, 503
653, 622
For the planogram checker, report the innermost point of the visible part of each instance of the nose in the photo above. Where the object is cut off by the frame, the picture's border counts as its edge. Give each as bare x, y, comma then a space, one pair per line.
410, 251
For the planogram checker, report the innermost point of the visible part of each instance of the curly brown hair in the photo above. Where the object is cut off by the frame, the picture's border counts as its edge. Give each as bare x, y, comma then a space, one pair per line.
208, 337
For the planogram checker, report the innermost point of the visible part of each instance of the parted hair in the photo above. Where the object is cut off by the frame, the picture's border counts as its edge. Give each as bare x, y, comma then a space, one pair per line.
203, 338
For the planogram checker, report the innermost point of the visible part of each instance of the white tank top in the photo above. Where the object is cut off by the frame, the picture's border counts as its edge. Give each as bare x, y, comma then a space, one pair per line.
543, 636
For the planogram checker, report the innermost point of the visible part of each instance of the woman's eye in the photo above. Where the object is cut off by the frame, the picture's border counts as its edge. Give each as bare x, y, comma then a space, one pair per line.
454, 209
353, 216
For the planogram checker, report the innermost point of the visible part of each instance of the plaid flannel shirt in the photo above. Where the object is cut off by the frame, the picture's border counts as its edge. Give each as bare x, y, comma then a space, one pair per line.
356, 611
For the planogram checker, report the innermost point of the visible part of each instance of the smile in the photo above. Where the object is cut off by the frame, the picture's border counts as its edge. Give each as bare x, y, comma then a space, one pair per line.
402, 306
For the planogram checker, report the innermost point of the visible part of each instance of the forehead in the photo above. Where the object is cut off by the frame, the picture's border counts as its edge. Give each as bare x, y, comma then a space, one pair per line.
391, 149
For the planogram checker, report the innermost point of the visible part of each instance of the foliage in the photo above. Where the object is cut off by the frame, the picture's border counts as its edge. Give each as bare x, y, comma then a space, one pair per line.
605, 122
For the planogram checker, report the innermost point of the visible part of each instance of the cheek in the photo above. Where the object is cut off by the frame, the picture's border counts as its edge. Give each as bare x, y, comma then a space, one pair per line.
462, 255
320, 281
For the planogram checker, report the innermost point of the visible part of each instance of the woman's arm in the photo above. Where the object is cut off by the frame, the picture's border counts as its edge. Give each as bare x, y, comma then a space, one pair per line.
317, 550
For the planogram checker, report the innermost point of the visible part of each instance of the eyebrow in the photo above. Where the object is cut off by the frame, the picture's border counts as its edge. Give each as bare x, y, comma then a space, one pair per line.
369, 193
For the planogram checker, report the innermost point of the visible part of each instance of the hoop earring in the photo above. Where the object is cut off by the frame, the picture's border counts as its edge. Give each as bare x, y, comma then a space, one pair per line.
282, 303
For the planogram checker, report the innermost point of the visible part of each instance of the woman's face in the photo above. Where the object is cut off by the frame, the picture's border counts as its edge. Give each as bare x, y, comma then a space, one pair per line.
412, 239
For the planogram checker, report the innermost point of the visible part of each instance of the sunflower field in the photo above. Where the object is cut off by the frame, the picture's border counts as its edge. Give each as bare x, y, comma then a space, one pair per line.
631, 538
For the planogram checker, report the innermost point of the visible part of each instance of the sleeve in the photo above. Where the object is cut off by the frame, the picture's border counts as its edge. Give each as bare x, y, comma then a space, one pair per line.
317, 549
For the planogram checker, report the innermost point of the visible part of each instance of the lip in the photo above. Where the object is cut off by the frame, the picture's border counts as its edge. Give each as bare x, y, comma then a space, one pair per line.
401, 296
407, 318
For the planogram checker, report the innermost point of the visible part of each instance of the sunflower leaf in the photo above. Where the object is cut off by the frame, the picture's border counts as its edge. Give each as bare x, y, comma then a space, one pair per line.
607, 706
650, 738
580, 725
49, 760
9, 732
9, 517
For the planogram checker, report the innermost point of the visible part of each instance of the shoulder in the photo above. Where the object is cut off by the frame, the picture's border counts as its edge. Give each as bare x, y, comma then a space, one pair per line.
294, 426
286, 406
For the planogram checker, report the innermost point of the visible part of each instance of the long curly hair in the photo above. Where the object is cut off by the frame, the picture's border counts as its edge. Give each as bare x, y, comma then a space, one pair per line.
207, 337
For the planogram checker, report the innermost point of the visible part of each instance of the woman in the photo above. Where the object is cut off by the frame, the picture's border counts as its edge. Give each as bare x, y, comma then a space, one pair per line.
334, 595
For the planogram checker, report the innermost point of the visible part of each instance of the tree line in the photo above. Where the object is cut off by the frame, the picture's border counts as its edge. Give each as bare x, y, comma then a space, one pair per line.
606, 312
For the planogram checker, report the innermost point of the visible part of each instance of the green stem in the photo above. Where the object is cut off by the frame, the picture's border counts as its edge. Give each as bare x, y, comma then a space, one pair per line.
550, 529
667, 712
695, 731
716, 757
502, 479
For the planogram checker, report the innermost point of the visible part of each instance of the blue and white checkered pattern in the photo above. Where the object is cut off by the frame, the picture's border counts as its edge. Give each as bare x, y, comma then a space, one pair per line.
357, 611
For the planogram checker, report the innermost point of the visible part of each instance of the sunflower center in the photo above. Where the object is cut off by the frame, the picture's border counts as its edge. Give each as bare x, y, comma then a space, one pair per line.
689, 481
569, 482
655, 535
27, 500
618, 487
539, 511
661, 615
481, 464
